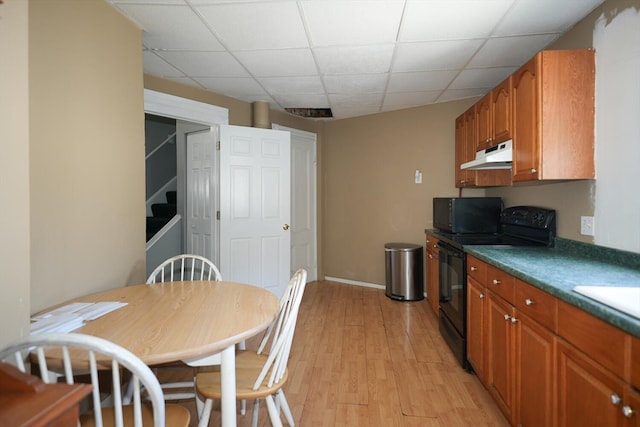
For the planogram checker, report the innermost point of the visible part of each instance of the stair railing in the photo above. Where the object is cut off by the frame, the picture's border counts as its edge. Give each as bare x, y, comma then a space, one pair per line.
166, 141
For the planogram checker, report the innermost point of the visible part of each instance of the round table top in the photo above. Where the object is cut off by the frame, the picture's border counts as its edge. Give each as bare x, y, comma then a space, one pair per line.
170, 321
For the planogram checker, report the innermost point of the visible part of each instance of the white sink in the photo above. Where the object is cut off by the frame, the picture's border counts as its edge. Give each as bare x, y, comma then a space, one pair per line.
625, 299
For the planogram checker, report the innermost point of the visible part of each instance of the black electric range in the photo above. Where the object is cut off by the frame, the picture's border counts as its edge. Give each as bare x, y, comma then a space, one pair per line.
519, 226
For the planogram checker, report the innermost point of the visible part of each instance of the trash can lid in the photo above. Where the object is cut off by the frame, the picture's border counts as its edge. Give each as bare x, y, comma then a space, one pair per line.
401, 246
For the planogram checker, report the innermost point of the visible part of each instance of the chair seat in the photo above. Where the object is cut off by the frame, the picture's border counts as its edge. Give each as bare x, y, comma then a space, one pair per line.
175, 416
248, 367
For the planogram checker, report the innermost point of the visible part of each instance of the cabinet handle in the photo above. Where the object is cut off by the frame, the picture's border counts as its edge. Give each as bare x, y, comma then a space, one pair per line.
528, 301
430, 256
474, 268
435, 245
627, 411
514, 320
507, 317
534, 170
615, 399
481, 296
496, 282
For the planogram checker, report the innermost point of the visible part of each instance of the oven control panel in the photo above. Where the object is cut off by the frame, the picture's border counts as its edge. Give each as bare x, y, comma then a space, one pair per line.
529, 216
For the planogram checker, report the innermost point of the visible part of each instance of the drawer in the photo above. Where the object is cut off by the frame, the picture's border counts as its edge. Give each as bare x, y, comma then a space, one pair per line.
603, 342
536, 304
501, 283
477, 269
635, 362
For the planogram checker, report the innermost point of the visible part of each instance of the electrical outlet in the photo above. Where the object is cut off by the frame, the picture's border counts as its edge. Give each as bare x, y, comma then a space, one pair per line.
587, 227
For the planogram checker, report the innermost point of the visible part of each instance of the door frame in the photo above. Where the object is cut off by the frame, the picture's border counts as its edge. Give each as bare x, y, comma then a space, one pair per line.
188, 110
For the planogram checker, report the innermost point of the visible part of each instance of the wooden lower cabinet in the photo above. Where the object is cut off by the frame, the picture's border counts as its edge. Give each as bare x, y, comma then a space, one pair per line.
476, 298
588, 394
500, 353
535, 371
631, 408
433, 269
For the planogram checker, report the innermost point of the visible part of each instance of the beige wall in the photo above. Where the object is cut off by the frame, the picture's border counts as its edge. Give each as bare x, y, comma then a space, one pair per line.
370, 197
14, 171
87, 150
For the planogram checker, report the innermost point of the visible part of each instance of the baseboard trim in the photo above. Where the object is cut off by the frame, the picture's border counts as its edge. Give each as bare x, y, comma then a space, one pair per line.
355, 282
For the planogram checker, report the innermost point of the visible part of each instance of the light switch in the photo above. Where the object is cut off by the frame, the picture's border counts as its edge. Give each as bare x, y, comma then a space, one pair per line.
418, 177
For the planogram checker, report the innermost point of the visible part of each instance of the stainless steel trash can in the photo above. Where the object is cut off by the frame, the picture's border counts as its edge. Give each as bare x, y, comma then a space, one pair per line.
404, 270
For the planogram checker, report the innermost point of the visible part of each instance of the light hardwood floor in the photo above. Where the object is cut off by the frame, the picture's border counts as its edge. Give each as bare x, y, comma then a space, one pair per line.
361, 359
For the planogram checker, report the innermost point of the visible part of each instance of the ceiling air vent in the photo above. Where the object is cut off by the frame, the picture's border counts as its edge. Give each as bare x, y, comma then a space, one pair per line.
312, 113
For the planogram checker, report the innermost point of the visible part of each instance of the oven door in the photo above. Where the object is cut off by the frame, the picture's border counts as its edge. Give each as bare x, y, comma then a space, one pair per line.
453, 285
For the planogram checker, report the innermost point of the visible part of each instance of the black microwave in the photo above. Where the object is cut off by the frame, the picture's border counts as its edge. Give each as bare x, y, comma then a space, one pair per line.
467, 214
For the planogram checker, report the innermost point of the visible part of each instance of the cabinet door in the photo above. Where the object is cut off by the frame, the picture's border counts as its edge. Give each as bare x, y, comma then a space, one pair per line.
526, 144
476, 327
500, 353
460, 150
535, 370
484, 123
501, 109
588, 395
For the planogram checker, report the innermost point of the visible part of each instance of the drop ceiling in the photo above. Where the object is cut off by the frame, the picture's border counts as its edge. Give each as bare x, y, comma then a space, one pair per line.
357, 57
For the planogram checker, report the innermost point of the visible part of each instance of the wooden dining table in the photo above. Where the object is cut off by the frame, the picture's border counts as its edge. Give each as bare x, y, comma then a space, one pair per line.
173, 321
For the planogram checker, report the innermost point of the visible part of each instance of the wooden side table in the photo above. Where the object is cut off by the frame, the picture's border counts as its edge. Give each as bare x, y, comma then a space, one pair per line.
27, 401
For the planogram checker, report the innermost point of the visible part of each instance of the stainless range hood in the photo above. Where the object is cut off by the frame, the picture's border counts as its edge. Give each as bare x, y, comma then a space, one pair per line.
496, 157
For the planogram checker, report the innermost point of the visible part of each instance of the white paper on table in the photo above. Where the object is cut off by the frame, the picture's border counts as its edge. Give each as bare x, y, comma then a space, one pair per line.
72, 316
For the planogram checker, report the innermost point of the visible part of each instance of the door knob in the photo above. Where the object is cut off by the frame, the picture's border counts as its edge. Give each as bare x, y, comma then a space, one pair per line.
285, 227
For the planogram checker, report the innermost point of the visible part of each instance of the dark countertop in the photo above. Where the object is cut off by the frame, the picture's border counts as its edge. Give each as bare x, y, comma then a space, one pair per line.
570, 263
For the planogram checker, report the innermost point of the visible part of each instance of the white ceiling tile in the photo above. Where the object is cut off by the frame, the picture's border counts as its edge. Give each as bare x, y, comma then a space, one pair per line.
440, 55
454, 94
421, 81
203, 64
510, 51
394, 99
303, 100
351, 55
371, 99
544, 16
354, 59
448, 19
339, 22
284, 85
171, 27
481, 77
283, 62
267, 25
232, 86
157, 66
355, 84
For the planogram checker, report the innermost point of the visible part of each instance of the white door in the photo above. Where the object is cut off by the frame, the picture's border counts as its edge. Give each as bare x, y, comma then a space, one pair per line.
303, 202
201, 194
255, 206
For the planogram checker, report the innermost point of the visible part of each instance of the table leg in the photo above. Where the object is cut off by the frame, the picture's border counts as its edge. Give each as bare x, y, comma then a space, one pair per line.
228, 386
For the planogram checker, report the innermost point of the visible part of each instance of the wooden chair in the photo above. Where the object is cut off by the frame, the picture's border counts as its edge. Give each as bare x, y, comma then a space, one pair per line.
185, 267
260, 375
70, 355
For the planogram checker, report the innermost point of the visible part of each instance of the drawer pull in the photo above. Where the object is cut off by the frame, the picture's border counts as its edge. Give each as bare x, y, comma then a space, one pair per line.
528, 301
430, 256
474, 268
615, 399
627, 411
496, 282
507, 317
481, 296
514, 320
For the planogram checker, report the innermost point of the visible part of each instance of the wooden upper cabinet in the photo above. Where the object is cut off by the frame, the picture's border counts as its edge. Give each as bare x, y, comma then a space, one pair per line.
484, 122
465, 140
553, 116
502, 115
494, 117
